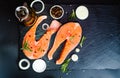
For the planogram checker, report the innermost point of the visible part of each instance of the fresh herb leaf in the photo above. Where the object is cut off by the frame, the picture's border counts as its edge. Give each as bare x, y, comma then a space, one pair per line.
64, 67
72, 15
40, 49
82, 41
71, 38
26, 46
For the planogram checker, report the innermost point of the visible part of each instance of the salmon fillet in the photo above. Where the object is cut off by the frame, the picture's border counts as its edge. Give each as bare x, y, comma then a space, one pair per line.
71, 32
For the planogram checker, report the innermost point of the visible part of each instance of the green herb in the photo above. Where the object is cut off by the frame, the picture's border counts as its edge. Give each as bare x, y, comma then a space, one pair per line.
39, 49
26, 46
64, 67
72, 15
82, 41
71, 38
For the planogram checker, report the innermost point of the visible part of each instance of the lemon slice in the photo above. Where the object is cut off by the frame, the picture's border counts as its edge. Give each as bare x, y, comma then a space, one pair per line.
82, 12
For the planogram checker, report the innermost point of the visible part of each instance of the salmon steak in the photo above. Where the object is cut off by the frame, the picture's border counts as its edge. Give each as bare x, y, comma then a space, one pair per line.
71, 33
37, 49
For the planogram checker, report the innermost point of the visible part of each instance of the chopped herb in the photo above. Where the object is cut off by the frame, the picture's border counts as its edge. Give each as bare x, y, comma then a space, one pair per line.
26, 46
82, 41
71, 38
72, 15
65, 65
40, 49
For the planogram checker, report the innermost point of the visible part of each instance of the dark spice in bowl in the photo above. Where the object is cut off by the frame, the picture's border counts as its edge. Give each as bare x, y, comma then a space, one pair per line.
56, 12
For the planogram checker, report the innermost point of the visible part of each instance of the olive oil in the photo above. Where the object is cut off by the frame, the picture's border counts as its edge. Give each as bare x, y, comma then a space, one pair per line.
26, 15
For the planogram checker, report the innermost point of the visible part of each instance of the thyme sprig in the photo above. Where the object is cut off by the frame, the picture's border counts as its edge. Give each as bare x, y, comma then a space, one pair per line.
82, 41
26, 46
64, 66
72, 15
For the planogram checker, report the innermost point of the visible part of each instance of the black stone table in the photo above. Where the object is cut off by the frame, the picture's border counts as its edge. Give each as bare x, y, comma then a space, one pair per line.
100, 51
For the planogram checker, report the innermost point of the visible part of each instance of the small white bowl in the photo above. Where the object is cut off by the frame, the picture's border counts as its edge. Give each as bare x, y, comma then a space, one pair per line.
43, 6
82, 12
60, 8
39, 65
22, 67
45, 26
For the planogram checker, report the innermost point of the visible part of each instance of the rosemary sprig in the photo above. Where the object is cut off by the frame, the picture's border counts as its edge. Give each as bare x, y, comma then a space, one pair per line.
26, 46
72, 15
82, 41
64, 67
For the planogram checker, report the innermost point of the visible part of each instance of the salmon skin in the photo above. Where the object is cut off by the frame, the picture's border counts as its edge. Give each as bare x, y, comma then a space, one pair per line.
36, 49
71, 32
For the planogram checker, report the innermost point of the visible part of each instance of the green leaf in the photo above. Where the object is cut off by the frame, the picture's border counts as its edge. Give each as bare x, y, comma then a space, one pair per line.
64, 67
71, 38
72, 15
40, 49
26, 46
82, 41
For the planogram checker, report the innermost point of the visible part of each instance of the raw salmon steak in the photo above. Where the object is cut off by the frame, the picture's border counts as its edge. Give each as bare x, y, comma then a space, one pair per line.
36, 49
71, 33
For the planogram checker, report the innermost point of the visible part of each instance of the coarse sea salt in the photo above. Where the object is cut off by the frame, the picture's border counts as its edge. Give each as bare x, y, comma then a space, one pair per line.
39, 65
